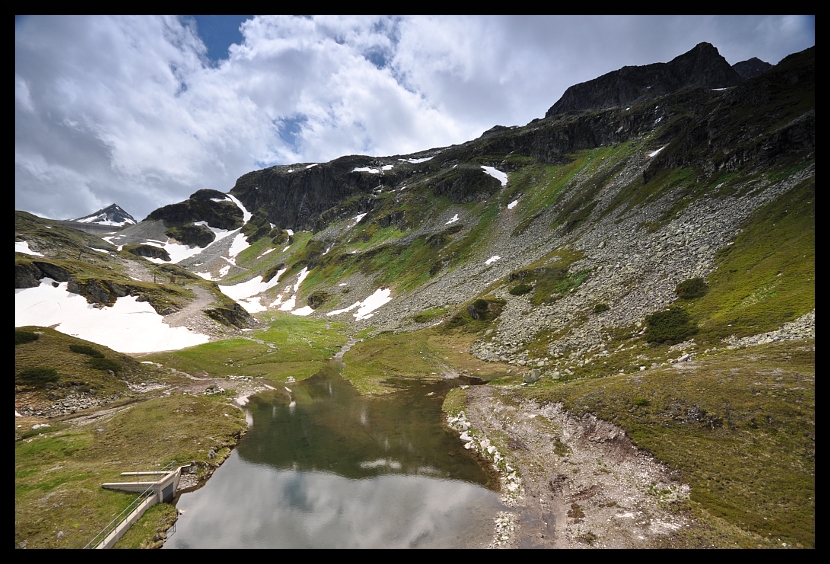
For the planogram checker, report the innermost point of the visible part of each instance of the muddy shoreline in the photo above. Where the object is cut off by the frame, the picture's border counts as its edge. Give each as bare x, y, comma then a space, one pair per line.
581, 481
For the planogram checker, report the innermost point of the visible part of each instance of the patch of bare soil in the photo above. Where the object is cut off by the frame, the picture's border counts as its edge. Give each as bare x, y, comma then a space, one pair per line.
584, 484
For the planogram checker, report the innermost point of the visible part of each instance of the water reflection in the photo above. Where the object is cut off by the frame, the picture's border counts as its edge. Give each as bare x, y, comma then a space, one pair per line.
325, 467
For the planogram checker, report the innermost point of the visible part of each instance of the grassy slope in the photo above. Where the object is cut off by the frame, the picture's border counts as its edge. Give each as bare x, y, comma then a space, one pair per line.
739, 425
299, 347
59, 502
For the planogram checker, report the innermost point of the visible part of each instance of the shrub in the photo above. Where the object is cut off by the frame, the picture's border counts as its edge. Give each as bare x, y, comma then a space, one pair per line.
87, 350
521, 289
104, 364
691, 288
670, 326
317, 299
21, 337
37, 375
599, 308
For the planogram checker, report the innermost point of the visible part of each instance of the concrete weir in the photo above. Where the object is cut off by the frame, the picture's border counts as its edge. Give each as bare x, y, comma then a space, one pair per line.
160, 490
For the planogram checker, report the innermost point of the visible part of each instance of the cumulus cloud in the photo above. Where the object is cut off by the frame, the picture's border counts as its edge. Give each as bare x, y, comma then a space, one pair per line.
131, 110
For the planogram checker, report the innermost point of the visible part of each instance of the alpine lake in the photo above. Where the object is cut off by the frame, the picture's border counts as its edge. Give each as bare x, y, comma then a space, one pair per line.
325, 467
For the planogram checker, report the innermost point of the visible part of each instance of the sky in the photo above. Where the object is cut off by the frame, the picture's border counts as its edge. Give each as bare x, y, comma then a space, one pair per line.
143, 111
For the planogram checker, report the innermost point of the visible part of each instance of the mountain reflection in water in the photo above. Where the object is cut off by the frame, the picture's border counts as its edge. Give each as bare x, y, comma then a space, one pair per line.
324, 467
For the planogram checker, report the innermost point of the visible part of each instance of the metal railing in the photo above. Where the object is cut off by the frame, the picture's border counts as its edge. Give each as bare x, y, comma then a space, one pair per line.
124, 515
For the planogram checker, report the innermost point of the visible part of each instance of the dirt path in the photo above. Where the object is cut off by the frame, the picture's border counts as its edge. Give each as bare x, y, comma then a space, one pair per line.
584, 483
183, 317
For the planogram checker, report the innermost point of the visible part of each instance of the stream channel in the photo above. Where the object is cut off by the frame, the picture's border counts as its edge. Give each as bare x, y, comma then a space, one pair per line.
324, 467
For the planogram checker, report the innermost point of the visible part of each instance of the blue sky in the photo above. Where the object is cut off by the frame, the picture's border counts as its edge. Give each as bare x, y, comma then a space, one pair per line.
142, 111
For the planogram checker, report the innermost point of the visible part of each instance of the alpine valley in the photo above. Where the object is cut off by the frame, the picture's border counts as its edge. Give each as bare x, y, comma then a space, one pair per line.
627, 287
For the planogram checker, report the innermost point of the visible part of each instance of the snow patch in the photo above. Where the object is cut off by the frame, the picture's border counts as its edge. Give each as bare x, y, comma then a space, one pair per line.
497, 174
367, 306
654, 153
453, 219
344, 310
219, 233
356, 219
311, 165
239, 244
303, 311
492, 259
246, 215
23, 247
265, 253
289, 304
417, 161
366, 169
512, 204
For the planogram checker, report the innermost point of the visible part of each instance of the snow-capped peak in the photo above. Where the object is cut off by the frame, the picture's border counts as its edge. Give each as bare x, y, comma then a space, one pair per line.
111, 215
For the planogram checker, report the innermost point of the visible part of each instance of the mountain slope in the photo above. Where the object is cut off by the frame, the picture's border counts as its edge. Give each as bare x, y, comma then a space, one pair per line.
618, 255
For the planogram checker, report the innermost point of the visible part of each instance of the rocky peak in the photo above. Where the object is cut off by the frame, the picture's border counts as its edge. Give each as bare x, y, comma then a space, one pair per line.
751, 67
702, 66
111, 215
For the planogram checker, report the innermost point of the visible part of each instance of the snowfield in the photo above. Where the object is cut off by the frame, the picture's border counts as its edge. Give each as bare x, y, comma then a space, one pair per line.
129, 326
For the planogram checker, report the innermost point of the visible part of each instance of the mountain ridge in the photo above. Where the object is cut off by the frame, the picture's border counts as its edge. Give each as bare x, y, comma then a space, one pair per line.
702, 66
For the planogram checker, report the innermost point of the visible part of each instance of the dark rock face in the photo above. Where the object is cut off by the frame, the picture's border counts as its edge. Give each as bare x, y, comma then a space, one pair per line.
193, 235
739, 140
202, 206
53, 271
702, 66
95, 291
751, 67
28, 274
296, 200
466, 184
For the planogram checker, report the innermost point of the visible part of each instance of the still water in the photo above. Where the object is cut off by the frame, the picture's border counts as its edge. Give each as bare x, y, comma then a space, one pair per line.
323, 467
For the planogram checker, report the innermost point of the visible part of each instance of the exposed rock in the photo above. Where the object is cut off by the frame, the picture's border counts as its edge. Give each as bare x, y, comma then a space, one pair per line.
751, 67
702, 66
149, 251
211, 206
234, 315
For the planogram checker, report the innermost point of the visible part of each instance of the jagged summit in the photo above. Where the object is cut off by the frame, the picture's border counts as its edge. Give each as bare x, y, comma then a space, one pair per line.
701, 66
751, 67
112, 215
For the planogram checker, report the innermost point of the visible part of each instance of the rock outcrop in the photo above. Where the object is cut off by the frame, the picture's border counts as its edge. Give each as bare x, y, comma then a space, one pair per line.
751, 67
702, 66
